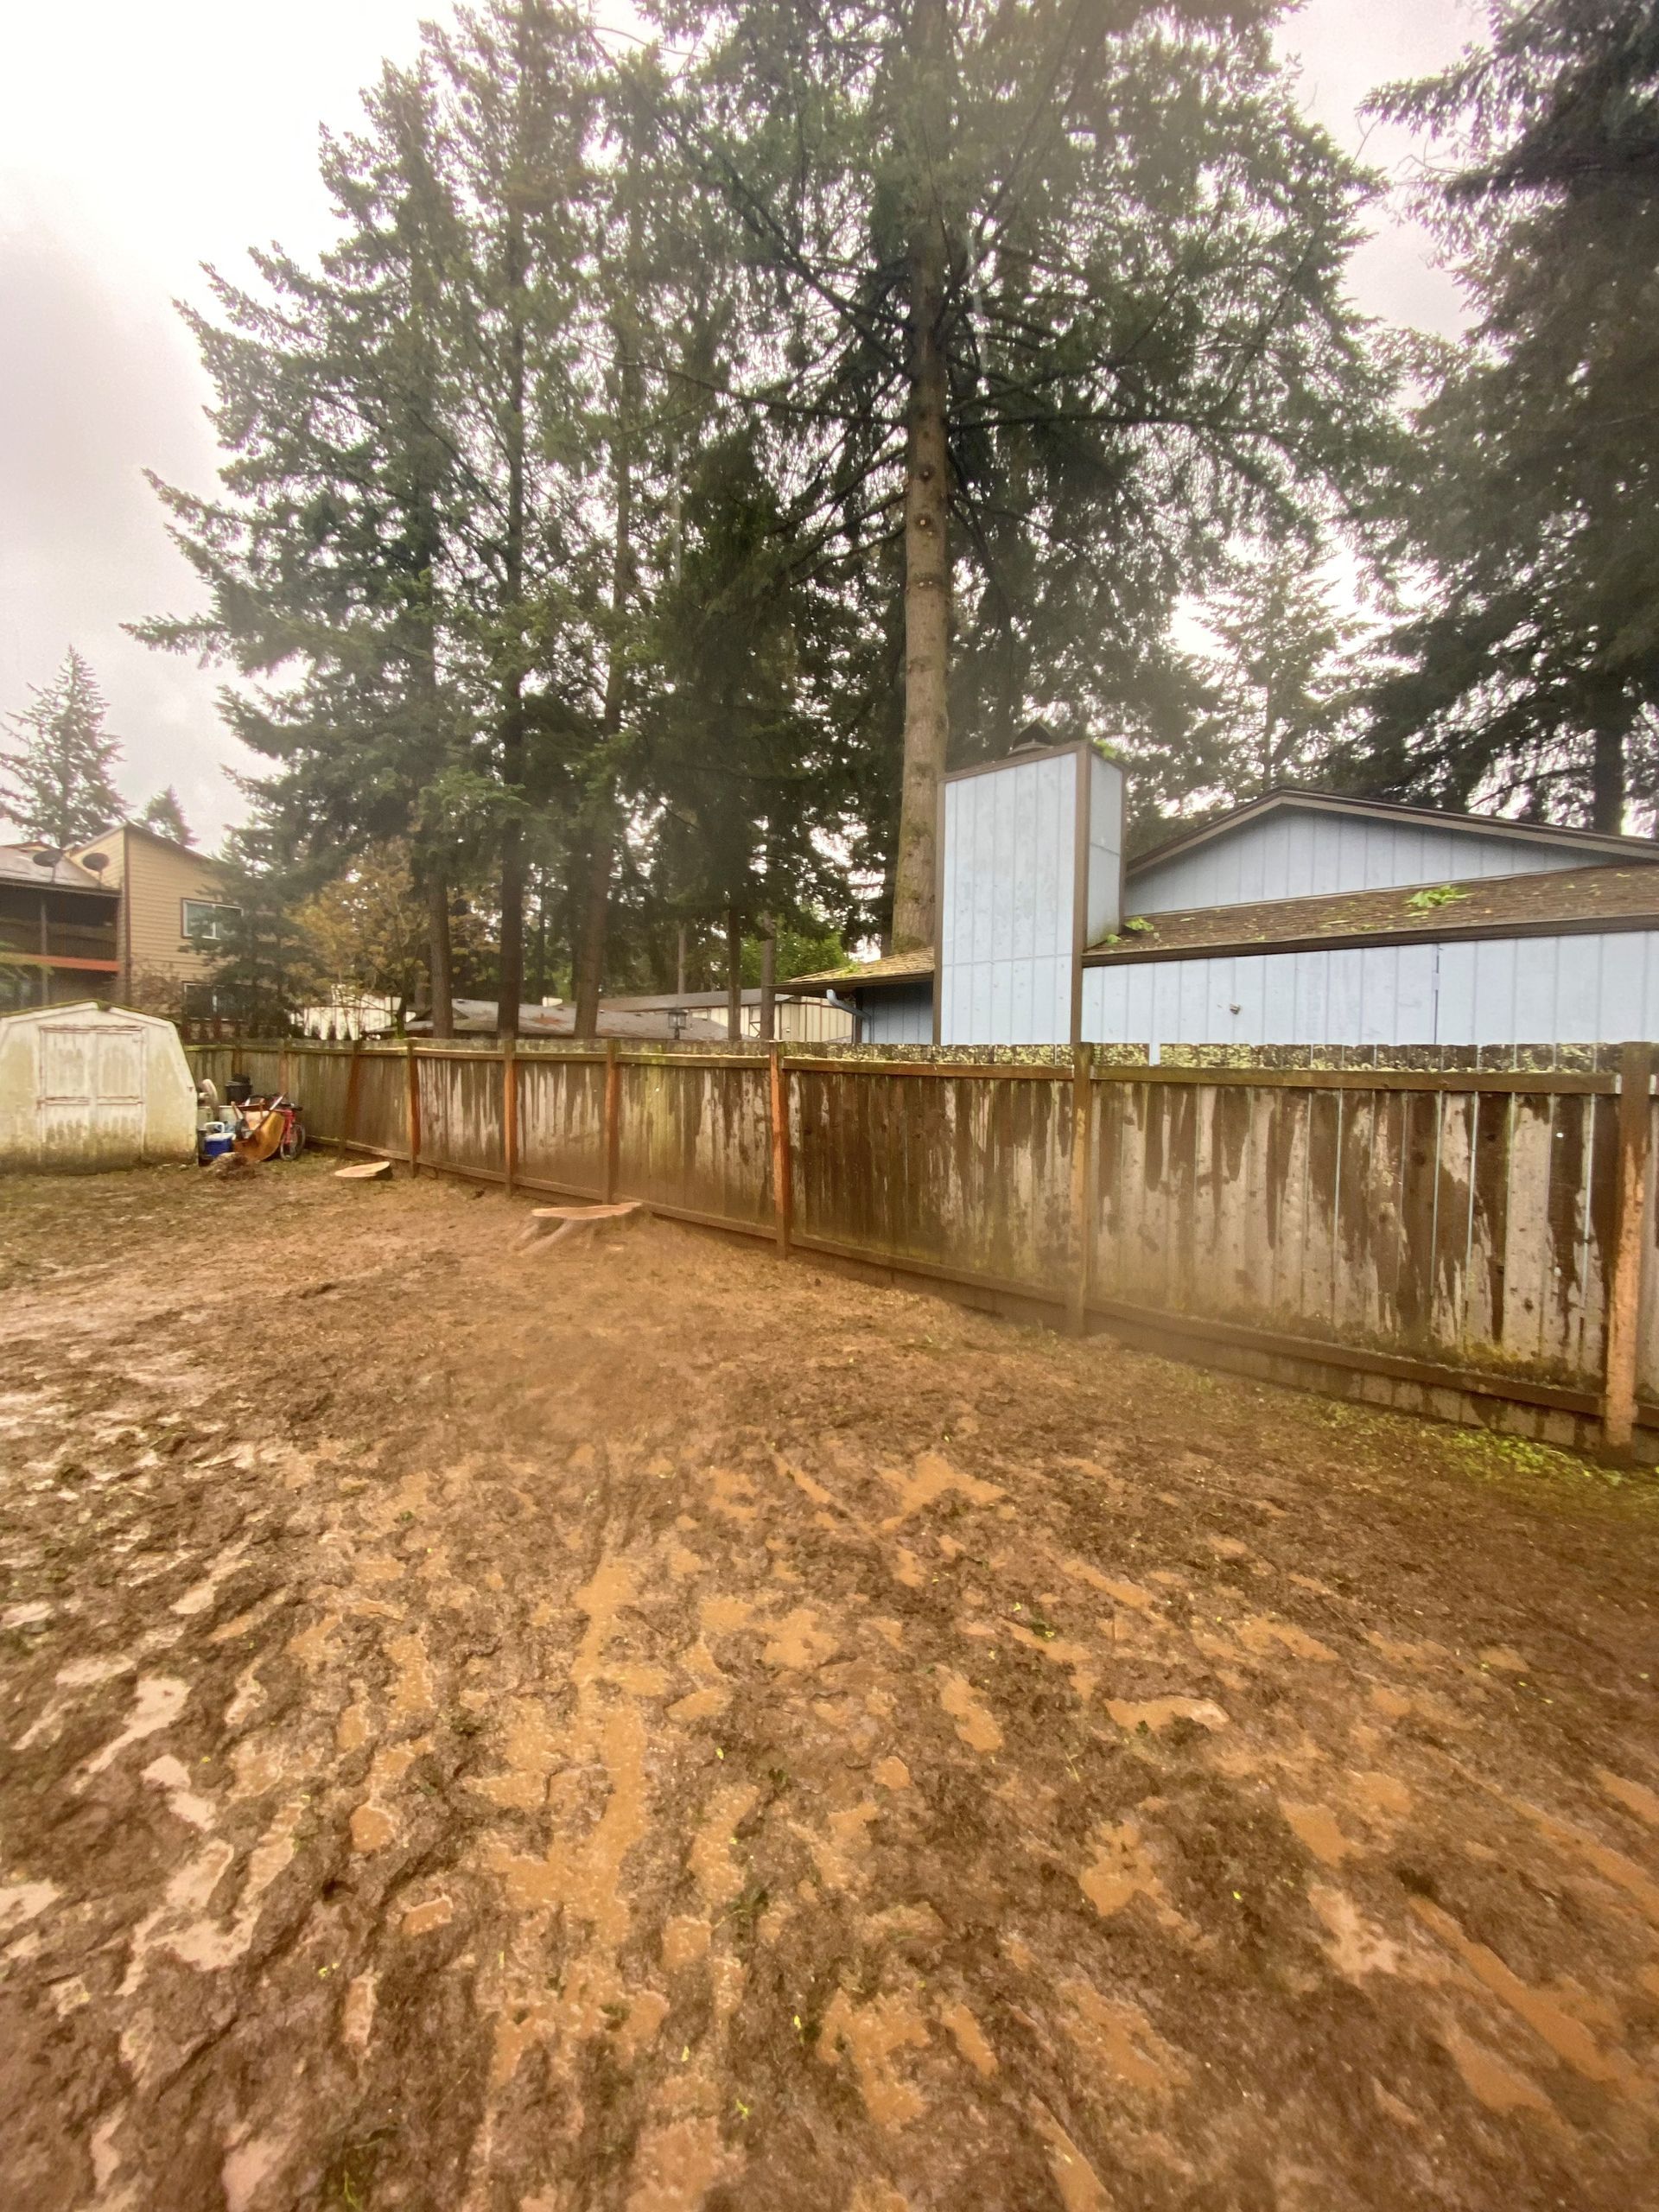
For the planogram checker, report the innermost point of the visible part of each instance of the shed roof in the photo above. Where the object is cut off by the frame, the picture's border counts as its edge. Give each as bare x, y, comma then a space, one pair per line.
895, 968
1300, 799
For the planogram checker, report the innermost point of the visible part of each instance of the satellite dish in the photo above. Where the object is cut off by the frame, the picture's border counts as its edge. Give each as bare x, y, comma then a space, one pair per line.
44, 856
96, 861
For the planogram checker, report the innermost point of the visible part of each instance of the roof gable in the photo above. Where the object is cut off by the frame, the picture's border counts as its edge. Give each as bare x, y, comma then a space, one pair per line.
1292, 798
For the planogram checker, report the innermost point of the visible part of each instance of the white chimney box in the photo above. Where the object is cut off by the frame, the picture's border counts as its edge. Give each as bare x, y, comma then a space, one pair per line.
1031, 872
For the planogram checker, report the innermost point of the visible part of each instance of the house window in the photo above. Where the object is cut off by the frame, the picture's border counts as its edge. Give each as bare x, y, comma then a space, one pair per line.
204, 923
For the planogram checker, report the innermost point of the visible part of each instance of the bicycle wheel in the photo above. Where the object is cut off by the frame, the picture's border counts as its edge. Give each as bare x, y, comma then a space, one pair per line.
292, 1142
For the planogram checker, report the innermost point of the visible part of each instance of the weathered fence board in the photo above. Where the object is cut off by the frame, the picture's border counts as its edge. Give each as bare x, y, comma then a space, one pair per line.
1433, 1229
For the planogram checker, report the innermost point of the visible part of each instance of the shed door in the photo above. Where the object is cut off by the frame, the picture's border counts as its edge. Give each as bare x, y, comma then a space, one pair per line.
91, 1095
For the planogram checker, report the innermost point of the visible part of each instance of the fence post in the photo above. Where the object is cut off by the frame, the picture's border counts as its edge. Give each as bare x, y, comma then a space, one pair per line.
612, 1117
509, 1110
1083, 1117
1630, 1220
413, 1096
782, 1177
354, 1076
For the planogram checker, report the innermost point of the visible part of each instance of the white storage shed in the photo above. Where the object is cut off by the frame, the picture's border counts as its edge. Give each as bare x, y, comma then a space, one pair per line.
89, 1086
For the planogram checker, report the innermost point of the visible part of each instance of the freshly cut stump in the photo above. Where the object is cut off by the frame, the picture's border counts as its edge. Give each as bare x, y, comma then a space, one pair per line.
550, 1225
367, 1170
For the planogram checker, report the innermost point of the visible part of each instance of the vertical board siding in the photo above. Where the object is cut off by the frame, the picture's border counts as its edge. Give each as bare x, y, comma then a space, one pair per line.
900, 1015
1544, 990
1007, 915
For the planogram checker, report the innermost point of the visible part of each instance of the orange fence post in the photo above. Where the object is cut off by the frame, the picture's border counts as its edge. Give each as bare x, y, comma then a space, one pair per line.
1625, 1277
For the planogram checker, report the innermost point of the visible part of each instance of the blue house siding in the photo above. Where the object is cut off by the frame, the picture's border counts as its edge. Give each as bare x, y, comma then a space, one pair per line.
1536, 990
1300, 854
1008, 918
900, 1015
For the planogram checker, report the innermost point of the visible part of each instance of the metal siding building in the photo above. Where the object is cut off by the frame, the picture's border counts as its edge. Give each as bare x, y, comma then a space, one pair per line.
1307, 930
1535, 990
1007, 904
902, 1015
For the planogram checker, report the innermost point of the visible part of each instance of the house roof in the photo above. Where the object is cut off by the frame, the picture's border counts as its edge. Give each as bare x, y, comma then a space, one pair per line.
143, 830
896, 968
19, 865
1573, 899
1552, 902
1295, 797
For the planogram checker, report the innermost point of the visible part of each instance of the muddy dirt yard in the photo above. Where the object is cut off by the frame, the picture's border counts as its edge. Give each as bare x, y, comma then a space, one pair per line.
639, 1725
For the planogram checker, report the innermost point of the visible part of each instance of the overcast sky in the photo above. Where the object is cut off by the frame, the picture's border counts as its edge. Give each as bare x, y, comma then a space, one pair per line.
138, 142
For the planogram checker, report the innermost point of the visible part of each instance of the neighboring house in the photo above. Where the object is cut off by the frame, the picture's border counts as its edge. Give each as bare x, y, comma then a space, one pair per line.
58, 930
175, 919
1299, 918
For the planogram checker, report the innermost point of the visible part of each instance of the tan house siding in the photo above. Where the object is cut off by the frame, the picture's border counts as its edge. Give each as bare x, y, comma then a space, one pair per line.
154, 877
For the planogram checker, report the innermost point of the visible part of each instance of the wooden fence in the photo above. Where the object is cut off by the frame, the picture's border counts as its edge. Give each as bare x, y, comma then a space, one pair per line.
1475, 1242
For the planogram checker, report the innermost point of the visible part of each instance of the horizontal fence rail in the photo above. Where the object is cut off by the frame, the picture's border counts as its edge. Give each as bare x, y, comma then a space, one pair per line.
1423, 1236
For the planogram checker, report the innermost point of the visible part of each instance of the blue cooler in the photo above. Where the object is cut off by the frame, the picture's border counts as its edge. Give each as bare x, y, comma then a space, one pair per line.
215, 1143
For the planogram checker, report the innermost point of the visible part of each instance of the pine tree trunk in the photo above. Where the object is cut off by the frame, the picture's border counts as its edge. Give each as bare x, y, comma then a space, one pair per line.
927, 492
679, 961
1607, 777
734, 974
594, 929
512, 984
601, 853
769, 979
439, 964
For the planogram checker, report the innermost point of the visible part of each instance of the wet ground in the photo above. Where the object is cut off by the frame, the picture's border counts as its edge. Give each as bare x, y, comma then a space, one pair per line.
636, 1725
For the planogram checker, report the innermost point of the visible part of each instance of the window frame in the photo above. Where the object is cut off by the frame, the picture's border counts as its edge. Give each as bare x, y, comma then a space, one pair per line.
202, 940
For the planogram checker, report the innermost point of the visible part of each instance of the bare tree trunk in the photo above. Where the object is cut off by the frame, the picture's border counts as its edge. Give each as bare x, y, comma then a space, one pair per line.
594, 929
512, 991
927, 498
439, 962
679, 961
769, 979
734, 974
601, 852
1607, 778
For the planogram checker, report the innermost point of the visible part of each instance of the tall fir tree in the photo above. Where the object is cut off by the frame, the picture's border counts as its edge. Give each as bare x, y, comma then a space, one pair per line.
1281, 675
164, 815
56, 784
1048, 303
340, 551
1529, 677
